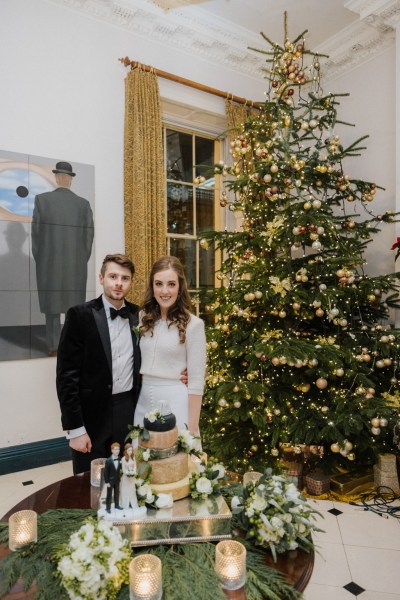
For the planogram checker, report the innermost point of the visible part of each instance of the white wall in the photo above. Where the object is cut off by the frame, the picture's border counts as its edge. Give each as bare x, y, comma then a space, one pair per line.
371, 108
63, 96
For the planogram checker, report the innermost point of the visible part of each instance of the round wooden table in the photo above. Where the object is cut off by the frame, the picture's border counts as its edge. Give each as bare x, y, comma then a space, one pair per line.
76, 492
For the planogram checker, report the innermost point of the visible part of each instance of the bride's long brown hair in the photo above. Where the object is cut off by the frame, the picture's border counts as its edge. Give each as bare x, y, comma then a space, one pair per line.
179, 313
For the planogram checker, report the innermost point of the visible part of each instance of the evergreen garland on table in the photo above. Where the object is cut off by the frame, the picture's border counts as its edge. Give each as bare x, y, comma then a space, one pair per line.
188, 569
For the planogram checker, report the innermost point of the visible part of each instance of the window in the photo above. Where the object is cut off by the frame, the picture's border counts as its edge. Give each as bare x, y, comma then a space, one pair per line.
191, 209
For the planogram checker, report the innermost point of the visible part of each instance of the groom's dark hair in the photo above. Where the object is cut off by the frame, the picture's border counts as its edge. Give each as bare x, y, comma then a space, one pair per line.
120, 259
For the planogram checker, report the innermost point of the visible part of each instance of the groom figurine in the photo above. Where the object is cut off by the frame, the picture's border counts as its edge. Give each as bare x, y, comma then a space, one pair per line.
98, 366
112, 477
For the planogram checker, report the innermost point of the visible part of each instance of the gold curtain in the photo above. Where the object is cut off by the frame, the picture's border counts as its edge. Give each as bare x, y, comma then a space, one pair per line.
236, 115
144, 177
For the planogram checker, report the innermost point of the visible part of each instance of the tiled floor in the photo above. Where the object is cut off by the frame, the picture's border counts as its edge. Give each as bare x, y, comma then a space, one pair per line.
358, 554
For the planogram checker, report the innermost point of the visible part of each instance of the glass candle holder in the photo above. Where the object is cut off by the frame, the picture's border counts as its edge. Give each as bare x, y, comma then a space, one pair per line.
96, 467
145, 578
22, 529
251, 477
230, 564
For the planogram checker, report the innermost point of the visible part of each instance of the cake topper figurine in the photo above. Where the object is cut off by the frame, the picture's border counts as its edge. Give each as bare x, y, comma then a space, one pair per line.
112, 477
128, 478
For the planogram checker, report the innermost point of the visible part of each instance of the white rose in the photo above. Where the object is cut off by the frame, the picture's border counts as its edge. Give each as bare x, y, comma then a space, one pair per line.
186, 437
146, 454
203, 485
200, 468
259, 502
144, 489
221, 470
151, 416
292, 493
150, 497
164, 501
235, 502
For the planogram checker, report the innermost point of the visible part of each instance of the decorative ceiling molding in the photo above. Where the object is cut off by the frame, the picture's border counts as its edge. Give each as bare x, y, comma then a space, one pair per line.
221, 42
373, 34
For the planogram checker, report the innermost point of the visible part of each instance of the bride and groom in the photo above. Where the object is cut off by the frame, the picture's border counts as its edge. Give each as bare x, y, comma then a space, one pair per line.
109, 376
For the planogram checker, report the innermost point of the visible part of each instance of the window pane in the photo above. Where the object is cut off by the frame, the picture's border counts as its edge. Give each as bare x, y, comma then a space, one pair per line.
204, 156
179, 156
204, 209
179, 208
185, 250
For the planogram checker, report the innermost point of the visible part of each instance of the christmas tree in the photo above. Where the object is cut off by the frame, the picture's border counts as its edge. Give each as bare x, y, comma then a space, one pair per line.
302, 357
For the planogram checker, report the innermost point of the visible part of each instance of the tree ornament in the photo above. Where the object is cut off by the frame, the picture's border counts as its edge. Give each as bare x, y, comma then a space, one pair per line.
375, 430
222, 402
375, 422
340, 372
204, 244
237, 404
321, 383
335, 448
324, 409
383, 422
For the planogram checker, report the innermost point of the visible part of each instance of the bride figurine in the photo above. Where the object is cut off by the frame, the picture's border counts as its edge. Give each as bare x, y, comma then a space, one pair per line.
128, 479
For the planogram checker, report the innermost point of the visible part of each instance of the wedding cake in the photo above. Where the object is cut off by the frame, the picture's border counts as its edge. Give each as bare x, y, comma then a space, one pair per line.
170, 467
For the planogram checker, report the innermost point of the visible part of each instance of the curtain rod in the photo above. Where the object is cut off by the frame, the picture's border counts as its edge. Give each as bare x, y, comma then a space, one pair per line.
198, 86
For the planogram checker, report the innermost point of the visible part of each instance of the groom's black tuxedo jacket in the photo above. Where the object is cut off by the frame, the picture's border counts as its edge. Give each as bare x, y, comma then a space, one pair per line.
84, 365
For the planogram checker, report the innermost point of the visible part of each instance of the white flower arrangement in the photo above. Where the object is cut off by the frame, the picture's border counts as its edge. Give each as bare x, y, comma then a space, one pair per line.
153, 416
94, 563
206, 481
146, 455
188, 443
146, 496
275, 515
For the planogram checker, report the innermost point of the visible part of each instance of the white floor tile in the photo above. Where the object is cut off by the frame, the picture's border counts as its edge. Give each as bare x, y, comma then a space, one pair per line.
331, 532
364, 528
315, 591
375, 569
330, 567
378, 596
321, 505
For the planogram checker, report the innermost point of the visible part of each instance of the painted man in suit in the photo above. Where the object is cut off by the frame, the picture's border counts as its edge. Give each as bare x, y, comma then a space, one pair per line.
112, 477
98, 366
62, 237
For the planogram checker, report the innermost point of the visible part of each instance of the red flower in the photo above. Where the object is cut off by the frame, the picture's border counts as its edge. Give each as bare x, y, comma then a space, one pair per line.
396, 244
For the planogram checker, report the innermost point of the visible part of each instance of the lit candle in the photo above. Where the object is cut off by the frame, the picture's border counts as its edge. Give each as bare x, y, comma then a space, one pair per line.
22, 529
145, 578
230, 564
96, 467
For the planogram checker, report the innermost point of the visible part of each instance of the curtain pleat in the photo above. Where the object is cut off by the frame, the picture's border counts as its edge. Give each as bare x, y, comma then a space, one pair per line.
144, 177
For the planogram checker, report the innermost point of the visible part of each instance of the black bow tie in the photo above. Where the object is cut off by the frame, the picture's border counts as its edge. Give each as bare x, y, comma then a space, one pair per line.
122, 312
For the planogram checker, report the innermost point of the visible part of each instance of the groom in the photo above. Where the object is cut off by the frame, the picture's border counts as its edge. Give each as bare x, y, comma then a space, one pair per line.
98, 366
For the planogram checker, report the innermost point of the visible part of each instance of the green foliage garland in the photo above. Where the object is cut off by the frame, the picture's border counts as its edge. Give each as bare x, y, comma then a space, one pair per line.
188, 569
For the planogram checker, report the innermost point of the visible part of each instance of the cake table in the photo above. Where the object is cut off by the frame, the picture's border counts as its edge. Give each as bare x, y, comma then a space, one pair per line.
76, 492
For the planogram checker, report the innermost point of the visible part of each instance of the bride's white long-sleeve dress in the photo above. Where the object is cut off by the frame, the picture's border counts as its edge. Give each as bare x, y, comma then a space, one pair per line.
163, 360
128, 485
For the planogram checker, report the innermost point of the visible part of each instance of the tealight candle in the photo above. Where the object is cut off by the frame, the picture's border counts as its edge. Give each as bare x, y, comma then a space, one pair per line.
230, 564
96, 467
251, 477
22, 529
145, 578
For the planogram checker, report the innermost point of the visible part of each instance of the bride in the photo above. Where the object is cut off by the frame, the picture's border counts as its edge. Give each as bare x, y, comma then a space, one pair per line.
172, 339
128, 479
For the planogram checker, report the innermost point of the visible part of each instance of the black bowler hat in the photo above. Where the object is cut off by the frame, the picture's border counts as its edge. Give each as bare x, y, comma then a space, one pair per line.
64, 167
